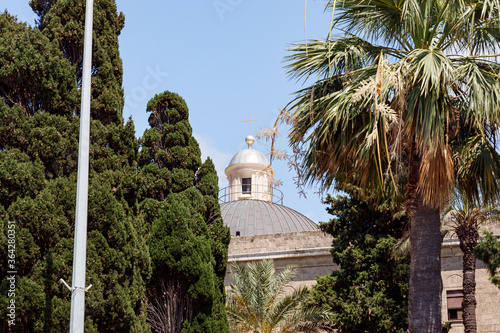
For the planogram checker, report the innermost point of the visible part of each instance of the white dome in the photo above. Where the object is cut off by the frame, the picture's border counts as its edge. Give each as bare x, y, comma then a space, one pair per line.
249, 156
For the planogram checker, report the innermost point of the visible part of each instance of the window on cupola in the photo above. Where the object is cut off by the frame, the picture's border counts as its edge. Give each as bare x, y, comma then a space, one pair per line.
246, 185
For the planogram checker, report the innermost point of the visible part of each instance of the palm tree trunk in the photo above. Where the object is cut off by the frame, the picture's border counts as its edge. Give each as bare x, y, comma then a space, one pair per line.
424, 308
425, 271
468, 239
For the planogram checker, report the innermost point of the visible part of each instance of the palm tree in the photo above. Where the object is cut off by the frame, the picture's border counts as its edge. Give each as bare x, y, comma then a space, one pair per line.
407, 101
465, 218
260, 301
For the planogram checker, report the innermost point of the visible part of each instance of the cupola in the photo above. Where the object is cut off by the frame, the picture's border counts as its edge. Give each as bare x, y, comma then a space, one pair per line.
249, 174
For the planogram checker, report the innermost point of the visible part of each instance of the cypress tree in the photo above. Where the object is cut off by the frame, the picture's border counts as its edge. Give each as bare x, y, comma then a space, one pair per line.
188, 242
63, 22
33, 72
38, 160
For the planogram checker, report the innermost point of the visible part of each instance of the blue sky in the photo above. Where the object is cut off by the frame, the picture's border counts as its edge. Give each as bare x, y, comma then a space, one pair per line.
224, 57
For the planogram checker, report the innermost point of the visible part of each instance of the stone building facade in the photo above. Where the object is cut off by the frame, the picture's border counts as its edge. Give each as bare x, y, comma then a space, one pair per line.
308, 252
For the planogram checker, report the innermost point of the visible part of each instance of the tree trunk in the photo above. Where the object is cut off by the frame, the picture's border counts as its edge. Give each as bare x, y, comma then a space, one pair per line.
424, 308
425, 271
168, 307
468, 239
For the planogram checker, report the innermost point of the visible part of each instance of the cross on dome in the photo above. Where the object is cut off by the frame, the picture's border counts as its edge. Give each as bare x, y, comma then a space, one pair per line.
249, 122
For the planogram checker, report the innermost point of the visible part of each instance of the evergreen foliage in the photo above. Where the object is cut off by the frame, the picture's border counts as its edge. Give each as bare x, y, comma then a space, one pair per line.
38, 161
488, 250
369, 291
188, 241
33, 72
63, 22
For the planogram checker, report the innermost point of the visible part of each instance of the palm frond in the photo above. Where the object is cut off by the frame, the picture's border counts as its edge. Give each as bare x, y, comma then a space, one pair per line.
478, 169
378, 20
405, 74
259, 300
330, 58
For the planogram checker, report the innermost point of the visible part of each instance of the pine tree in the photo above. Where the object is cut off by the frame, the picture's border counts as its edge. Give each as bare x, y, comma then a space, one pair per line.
188, 242
38, 157
369, 291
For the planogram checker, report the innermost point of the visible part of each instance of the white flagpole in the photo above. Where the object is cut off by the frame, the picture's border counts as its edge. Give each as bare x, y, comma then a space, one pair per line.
78, 289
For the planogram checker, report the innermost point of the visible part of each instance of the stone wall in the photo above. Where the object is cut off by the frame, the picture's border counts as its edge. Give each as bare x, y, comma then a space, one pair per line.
279, 242
308, 252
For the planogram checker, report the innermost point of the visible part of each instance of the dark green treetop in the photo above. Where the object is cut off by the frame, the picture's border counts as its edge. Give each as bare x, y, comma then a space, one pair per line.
188, 241
33, 72
369, 291
63, 22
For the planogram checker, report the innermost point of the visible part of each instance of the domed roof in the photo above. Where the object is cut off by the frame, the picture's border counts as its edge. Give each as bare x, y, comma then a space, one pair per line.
257, 217
249, 156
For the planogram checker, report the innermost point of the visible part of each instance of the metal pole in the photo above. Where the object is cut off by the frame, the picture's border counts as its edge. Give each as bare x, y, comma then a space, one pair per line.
77, 318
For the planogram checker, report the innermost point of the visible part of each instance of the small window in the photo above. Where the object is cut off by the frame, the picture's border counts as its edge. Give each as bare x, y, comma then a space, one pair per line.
246, 185
454, 300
